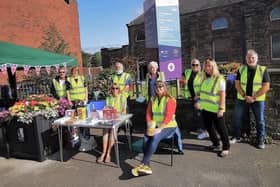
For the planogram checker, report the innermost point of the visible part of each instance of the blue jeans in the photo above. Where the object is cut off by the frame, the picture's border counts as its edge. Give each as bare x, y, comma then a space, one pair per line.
258, 110
151, 143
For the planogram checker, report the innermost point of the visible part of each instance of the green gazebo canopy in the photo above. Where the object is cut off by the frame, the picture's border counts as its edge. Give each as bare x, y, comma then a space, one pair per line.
22, 55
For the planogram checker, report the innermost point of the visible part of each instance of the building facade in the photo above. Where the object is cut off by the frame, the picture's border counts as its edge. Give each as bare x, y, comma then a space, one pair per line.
25, 22
223, 29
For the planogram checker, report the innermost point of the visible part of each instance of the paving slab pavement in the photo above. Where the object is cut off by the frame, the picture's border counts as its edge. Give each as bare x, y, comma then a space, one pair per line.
245, 166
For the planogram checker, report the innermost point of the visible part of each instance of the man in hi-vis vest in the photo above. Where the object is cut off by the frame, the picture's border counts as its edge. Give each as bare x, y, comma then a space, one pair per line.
123, 80
59, 84
252, 83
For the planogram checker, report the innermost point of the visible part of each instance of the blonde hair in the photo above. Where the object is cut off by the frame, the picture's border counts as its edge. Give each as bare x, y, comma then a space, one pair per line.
215, 69
74, 69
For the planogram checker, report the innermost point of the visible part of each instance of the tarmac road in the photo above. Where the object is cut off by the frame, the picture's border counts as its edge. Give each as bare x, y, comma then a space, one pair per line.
245, 166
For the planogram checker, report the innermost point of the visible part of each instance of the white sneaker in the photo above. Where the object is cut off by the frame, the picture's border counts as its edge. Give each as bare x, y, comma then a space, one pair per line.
203, 135
74, 140
235, 140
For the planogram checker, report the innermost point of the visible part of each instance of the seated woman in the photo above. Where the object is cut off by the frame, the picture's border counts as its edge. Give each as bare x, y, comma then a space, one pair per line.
118, 102
161, 123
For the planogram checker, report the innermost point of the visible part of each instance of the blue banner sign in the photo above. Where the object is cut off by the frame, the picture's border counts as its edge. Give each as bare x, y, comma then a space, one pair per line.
163, 32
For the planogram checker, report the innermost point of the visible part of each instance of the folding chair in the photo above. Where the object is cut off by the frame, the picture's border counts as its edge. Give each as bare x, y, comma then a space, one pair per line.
175, 135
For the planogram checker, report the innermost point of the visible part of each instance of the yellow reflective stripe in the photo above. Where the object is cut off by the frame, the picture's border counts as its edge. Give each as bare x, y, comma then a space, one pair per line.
60, 90
209, 101
209, 93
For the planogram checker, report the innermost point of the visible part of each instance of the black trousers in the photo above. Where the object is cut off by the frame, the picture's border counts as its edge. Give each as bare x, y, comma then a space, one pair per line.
213, 124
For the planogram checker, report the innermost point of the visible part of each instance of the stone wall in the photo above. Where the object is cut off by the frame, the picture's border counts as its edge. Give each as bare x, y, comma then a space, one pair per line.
136, 48
110, 54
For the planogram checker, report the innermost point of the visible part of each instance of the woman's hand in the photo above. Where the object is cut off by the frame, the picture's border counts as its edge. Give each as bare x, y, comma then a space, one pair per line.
157, 130
196, 105
153, 131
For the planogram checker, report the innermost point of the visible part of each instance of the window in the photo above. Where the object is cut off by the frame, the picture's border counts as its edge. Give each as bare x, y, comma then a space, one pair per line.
275, 14
140, 36
275, 46
220, 50
220, 23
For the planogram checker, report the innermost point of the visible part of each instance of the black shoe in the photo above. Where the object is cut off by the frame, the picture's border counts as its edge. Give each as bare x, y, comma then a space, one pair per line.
180, 152
213, 147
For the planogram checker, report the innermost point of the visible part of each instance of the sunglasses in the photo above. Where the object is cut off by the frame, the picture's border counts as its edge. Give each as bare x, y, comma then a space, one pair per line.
115, 88
195, 64
61, 72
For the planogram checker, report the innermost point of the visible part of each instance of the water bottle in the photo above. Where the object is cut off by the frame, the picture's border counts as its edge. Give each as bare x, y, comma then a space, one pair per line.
95, 115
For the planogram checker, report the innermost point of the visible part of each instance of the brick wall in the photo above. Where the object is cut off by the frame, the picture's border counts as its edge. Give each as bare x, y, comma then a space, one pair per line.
23, 22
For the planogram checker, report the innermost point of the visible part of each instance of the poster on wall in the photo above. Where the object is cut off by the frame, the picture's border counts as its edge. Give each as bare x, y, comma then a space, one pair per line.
162, 29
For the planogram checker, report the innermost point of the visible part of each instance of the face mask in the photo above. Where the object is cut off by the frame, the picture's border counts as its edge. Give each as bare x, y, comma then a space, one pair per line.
119, 72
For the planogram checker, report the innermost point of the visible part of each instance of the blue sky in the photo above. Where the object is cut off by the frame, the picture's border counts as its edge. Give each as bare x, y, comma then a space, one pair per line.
103, 22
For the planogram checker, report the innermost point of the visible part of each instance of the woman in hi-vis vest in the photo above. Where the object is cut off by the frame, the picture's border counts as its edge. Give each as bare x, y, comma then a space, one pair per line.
151, 78
161, 123
118, 102
213, 105
77, 95
192, 80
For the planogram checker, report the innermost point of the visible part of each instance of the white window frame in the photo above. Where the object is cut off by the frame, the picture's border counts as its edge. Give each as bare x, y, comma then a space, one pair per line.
221, 27
277, 18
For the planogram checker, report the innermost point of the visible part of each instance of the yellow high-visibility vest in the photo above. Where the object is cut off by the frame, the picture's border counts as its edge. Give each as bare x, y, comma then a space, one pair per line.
121, 82
78, 90
59, 89
257, 81
118, 102
159, 110
209, 94
196, 83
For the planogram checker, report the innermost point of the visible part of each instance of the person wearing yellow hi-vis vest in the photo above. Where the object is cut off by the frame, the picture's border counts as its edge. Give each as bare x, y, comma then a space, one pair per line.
192, 79
118, 102
78, 91
122, 78
213, 105
252, 83
151, 78
161, 123
59, 84
78, 94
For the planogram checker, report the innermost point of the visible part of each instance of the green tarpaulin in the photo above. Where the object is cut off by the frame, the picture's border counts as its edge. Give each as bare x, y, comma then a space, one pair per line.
21, 56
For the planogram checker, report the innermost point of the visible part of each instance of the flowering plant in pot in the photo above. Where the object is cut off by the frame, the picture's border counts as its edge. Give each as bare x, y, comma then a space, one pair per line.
32, 106
63, 105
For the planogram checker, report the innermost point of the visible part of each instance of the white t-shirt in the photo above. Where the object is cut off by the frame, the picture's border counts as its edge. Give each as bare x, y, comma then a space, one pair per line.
62, 82
222, 85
